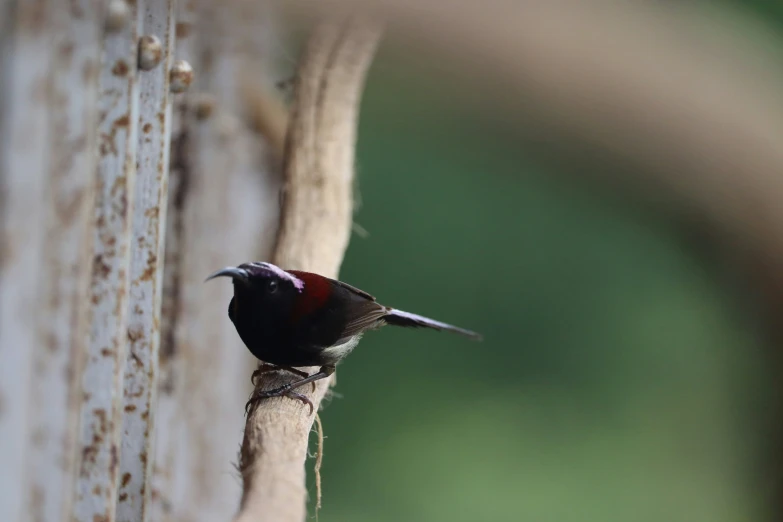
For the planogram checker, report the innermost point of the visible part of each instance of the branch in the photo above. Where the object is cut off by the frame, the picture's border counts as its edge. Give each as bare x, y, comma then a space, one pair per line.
314, 232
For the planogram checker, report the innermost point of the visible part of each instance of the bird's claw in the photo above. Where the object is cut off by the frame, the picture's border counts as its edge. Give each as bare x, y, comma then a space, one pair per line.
268, 368
300, 397
286, 389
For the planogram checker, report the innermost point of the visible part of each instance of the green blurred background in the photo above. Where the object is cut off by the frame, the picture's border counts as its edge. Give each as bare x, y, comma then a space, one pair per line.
617, 380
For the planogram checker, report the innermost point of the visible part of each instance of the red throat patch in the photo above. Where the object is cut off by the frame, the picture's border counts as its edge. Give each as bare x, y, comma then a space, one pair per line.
316, 293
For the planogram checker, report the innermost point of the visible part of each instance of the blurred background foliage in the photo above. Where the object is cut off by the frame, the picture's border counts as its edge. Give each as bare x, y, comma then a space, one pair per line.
619, 378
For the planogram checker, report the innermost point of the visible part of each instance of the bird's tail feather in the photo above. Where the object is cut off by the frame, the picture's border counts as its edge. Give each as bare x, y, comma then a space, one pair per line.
407, 319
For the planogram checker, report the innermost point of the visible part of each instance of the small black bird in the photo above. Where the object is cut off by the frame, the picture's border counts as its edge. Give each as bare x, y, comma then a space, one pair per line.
293, 318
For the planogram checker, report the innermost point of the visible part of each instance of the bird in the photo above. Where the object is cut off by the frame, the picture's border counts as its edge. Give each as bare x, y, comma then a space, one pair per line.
291, 318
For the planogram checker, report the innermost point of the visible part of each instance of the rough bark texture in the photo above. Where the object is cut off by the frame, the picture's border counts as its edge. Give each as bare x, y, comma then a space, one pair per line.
141, 369
224, 210
48, 89
314, 232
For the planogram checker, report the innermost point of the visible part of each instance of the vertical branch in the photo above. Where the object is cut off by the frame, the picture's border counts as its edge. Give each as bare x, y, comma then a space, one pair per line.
64, 280
168, 443
146, 266
229, 214
319, 153
101, 417
24, 153
314, 232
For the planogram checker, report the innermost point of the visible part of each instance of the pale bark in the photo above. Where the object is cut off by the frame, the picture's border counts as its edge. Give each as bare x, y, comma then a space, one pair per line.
146, 269
48, 86
224, 211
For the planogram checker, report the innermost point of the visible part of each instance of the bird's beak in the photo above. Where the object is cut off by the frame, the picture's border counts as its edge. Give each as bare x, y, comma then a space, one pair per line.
232, 272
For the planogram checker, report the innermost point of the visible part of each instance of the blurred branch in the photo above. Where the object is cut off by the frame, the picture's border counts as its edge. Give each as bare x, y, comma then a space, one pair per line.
684, 97
314, 232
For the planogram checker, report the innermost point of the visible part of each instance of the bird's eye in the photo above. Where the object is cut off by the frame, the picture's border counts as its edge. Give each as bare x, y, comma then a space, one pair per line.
271, 286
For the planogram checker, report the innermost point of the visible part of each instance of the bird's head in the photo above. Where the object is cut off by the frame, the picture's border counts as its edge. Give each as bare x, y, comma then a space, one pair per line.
261, 288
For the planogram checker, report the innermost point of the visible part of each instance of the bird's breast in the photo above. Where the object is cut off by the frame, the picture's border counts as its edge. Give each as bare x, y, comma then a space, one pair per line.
339, 351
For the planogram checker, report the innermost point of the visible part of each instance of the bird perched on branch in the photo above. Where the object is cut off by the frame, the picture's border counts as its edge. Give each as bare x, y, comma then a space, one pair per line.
292, 318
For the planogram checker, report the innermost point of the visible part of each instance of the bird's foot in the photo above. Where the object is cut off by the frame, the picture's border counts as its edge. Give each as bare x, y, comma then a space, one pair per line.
286, 390
269, 368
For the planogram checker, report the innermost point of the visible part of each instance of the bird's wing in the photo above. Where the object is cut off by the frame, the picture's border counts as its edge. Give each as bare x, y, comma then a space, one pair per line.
362, 312
363, 320
353, 289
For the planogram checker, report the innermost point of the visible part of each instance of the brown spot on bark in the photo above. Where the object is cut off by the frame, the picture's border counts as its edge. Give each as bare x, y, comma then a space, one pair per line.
130, 407
120, 68
89, 454
114, 462
106, 352
126, 477
108, 141
183, 30
122, 207
123, 497
147, 128
139, 364
103, 425
106, 146
118, 187
150, 270
100, 269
